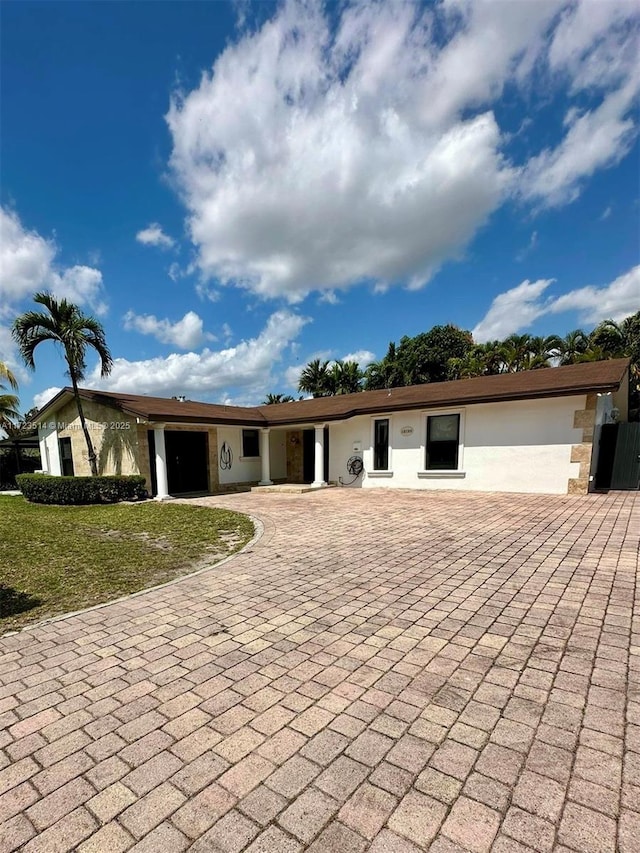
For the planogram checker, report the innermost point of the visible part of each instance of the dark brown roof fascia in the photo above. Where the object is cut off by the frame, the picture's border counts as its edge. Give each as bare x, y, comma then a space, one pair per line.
196, 420
442, 404
617, 368
446, 394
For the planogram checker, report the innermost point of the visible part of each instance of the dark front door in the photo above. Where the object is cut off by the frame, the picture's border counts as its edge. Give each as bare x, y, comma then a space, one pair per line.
187, 454
309, 455
66, 457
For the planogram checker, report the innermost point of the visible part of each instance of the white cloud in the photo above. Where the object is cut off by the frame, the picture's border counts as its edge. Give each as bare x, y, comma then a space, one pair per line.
153, 235
187, 333
292, 375
39, 400
596, 43
79, 284
614, 301
606, 213
363, 357
6, 342
27, 264
248, 365
25, 258
531, 245
9, 354
330, 297
595, 140
517, 308
512, 310
206, 291
320, 154
177, 272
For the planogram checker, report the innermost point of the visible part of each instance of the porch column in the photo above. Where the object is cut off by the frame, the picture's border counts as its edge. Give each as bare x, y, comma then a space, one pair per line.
264, 458
318, 479
162, 482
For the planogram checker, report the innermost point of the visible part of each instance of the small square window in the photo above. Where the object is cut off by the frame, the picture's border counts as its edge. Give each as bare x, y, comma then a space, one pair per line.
250, 442
443, 442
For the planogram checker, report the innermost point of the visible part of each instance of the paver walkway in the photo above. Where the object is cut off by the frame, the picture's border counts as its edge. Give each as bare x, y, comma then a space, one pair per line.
385, 671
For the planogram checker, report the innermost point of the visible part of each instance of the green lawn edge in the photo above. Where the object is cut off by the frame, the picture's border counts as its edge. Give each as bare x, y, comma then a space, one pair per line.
59, 559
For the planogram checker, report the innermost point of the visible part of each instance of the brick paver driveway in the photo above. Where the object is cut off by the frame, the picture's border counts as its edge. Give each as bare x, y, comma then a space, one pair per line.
384, 671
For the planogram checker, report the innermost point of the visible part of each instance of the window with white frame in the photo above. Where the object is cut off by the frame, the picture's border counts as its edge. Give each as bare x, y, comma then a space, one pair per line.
442, 452
381, 444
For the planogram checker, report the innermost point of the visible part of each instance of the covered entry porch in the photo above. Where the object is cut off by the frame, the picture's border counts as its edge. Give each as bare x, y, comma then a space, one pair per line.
197, 458
307, 456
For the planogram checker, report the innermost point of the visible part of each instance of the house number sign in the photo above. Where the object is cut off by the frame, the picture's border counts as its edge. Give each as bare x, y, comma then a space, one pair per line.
406, 431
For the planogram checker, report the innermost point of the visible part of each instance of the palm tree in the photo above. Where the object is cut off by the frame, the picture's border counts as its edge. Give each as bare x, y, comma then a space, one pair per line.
8, 402
271, 399
609, 336
386, 373
573, 347
314, 379
492, 355
514, 352
541, 351
344, 377
350, 377
8, 376
375, 376
474, 363
64, 324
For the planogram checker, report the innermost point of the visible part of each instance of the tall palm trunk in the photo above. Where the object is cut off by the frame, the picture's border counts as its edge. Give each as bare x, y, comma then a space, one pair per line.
92, 454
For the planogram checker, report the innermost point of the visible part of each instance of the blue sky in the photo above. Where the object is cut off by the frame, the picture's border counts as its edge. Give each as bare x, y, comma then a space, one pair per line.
236, 188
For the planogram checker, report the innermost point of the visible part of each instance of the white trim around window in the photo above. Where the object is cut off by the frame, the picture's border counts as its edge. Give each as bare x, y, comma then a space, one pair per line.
381, 472
457, 473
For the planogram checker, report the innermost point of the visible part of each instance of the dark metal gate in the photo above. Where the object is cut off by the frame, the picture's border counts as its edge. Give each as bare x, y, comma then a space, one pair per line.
619, 457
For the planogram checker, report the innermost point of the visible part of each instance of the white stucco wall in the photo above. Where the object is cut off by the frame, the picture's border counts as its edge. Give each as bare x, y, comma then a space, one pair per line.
249, 469
243, 469
49, 449
510, 447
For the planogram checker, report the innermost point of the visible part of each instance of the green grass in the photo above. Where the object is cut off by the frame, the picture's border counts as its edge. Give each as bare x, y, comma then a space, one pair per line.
55, 559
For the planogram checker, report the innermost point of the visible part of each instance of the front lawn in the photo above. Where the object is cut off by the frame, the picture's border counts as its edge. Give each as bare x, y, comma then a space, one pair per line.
55, 559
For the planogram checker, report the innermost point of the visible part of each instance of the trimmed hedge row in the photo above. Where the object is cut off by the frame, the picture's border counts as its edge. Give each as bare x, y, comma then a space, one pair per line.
46, 489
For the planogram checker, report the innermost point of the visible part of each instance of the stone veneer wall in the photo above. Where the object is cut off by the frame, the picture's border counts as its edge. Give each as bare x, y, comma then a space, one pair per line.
294, 457
118, 449
121, 451
584, 419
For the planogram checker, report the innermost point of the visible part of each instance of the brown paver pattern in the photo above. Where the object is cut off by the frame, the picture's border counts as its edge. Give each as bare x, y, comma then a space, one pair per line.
389, 671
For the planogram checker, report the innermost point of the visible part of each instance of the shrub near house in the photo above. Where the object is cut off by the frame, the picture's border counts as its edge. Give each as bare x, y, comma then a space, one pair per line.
44, 489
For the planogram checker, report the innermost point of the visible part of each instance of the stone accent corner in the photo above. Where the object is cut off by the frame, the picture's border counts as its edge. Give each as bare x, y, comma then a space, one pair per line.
583, 419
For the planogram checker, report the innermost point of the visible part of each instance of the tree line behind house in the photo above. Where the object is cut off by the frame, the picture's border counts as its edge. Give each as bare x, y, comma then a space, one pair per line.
447, 352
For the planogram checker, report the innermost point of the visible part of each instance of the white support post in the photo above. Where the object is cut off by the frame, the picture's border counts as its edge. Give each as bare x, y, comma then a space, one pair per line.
264, 458
318, 479
162, 482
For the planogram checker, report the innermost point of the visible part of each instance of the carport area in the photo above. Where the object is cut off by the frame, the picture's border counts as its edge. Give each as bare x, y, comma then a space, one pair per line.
385, 671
